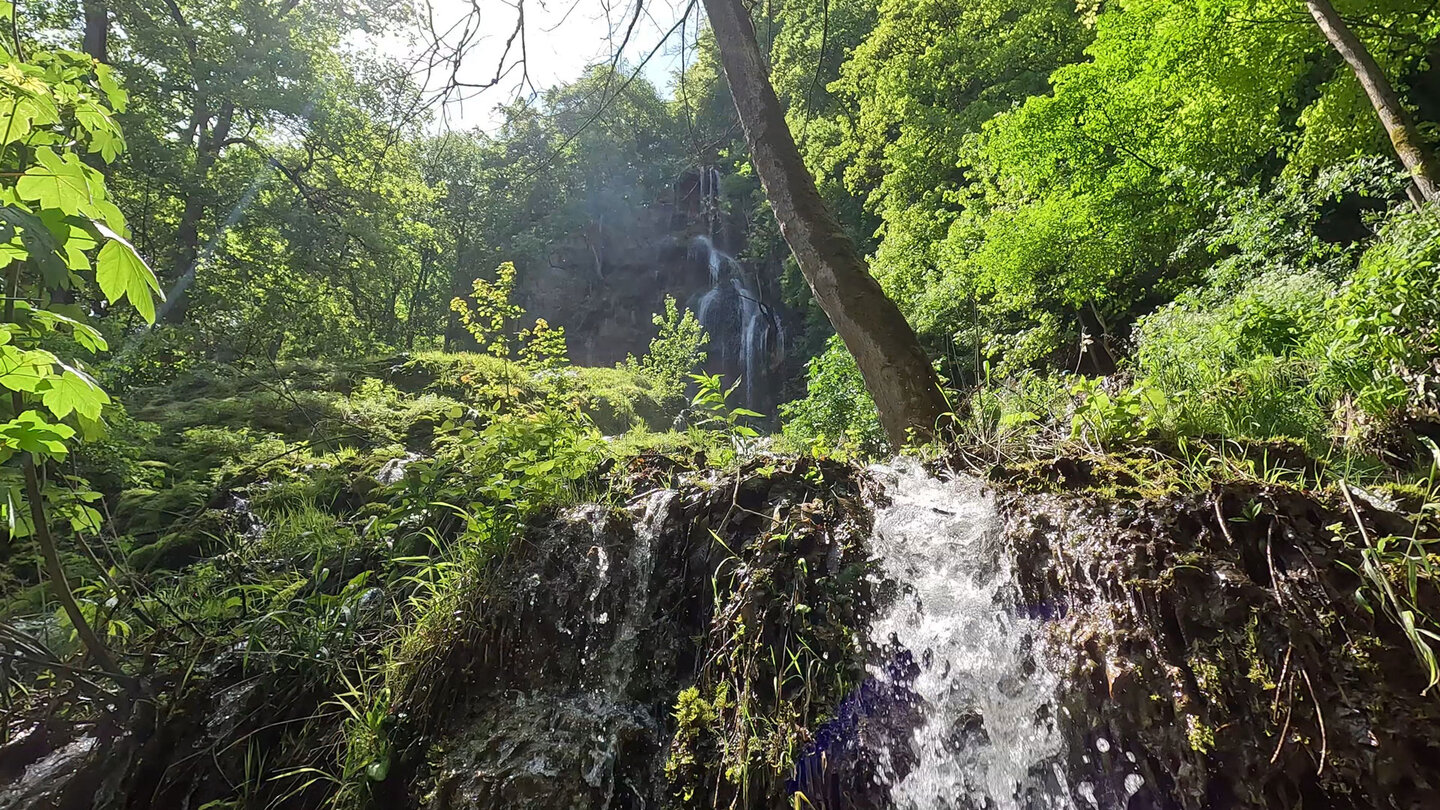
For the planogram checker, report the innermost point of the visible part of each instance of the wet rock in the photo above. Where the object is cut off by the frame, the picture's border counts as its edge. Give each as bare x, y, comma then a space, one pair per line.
1215, 657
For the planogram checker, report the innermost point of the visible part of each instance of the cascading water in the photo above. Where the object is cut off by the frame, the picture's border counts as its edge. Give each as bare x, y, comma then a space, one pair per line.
610, 702
984, 736
743, 334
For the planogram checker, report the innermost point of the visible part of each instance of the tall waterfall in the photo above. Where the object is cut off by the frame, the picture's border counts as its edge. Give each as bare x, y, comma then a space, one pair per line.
984, 735
744, 333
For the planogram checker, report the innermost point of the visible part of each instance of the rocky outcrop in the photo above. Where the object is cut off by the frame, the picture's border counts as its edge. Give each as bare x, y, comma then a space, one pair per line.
1216, 656
637, 658
606, 281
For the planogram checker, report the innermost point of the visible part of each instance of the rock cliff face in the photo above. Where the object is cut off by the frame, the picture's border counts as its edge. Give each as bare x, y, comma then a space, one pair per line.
604, 284
873, 638
1214, 654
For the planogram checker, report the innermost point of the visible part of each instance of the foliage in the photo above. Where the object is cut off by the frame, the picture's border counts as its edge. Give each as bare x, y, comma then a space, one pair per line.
61, 233
1398, 574
489, 313
1384, 340
674, 353
712, 408
836, 410
1106, 417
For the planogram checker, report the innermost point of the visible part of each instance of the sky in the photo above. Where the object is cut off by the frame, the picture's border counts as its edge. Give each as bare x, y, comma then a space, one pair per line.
562, 38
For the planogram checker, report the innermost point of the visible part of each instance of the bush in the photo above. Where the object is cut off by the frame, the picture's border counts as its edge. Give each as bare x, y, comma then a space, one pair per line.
676, 351
836, 408
1290, 352
1383, 344
1239, 368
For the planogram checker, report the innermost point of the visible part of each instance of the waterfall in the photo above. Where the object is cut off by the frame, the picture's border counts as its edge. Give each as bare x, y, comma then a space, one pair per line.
984, 733
621, 658
610, 705
740, 329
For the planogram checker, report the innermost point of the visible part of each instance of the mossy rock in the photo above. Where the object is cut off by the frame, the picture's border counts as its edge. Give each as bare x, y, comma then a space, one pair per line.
172, 552
148, 512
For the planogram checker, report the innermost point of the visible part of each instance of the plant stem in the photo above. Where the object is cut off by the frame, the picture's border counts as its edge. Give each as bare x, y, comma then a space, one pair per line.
54, 569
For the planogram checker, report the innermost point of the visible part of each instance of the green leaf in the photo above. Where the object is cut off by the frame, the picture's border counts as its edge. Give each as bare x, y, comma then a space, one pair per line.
121, 273
58, 182
31, 433
24, 370
74, 391
40, 244
113, 92
84, 519
86, 335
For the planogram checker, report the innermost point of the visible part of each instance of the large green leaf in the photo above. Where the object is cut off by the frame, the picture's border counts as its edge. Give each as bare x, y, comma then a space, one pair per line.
25, 370
58, 182
32, 433
74, 391
121, 273
86, 335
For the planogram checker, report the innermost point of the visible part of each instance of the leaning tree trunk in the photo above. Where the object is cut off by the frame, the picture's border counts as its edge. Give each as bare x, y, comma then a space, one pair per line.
1403, 134
897, 372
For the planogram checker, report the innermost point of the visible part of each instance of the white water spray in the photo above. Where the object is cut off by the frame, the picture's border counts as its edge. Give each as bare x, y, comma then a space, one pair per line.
987, 738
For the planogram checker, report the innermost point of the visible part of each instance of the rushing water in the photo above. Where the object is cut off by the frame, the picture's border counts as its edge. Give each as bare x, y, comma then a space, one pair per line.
615, 713
985, 734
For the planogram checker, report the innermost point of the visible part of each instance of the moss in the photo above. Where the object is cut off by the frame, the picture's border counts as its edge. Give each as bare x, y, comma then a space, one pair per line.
694, 717
173, 551
1117, 476
29, 600
619, 400
1200, 736
616, 399
147, 513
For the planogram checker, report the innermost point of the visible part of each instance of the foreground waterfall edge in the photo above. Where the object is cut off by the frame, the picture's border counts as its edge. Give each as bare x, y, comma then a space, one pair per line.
1204, 651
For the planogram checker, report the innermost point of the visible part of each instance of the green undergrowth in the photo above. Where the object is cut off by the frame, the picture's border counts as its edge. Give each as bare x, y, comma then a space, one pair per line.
323, 522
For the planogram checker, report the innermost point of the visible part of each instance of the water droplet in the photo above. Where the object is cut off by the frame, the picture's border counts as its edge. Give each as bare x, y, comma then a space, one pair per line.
1130, 755
1102, 745
1133, 783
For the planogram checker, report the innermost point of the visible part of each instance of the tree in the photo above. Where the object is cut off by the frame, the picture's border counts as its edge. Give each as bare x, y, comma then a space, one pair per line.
1409, 145
896, 370
209, 79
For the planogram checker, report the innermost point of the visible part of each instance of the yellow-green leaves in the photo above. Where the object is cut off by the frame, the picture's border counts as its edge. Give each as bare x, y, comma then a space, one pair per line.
121, 273
62, 388
24, 370
31, 432
57, 182
74, 391
55, 221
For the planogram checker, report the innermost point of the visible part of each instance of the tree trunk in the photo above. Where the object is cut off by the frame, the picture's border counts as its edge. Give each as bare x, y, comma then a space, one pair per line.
896, 370
96, 41
460, 283
1403, 134
209, 141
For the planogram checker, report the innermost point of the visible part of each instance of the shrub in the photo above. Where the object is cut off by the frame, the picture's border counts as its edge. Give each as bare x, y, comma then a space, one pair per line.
674, 353
836, 408
1384, 337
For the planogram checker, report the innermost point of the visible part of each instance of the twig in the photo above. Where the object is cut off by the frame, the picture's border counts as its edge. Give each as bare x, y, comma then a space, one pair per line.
1319, 716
